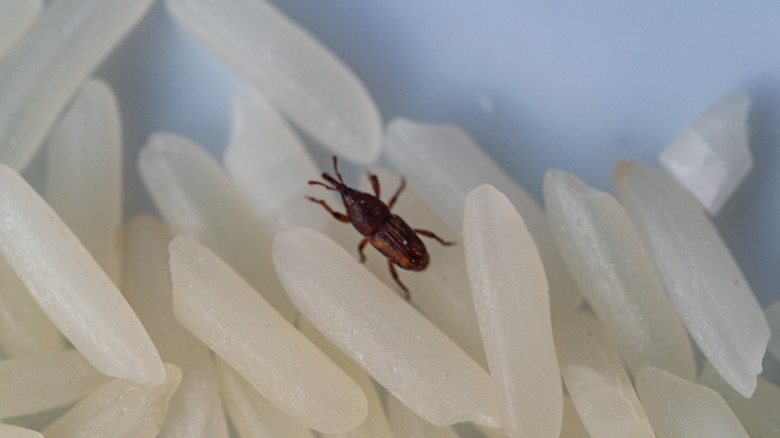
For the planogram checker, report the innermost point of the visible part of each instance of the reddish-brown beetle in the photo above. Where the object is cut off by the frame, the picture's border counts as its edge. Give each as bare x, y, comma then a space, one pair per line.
386, 231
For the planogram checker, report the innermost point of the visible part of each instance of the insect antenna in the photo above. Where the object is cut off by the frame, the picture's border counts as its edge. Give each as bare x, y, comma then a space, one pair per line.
336, 185
320, 183
336, 169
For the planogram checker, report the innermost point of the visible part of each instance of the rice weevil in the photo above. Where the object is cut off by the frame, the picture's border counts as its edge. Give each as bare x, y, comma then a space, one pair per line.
386, 231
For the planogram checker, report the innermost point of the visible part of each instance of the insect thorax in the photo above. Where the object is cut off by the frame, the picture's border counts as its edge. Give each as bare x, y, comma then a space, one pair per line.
367, 213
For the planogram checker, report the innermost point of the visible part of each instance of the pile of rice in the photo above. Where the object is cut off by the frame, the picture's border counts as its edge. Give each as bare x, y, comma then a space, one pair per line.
242, 309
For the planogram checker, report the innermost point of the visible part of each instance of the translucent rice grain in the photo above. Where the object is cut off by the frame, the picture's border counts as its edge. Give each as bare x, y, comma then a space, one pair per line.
597, 380
43, 70
302, 77
773, 318
197, 198
490, 432
39, 420
269, 165
252, 415
24, 328
443, 164
616, 275
70, 287
36, 383
16, 16
513, 306
395, 344
572, 426
442, 291
376, 425
84, 173
759, 414
195, 410
119, 409
408, 425
711, 156
8, 431
698, 272
679, 408
227, 315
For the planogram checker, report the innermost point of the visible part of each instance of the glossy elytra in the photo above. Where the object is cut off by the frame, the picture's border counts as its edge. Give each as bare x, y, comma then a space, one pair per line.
386, 231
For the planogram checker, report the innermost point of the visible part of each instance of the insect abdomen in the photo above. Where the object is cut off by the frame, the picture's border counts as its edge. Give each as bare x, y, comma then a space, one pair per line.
398, 242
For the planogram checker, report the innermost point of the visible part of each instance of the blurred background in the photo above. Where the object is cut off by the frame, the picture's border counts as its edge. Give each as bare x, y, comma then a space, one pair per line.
539, 85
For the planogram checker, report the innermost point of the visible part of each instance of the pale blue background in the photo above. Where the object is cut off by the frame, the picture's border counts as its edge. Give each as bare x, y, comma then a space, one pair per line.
573, 85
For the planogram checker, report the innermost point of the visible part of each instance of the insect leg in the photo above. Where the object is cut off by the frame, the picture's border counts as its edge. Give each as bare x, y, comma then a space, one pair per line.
374, 183
337, 215
397, 192
407, 296
360, 249
427, 233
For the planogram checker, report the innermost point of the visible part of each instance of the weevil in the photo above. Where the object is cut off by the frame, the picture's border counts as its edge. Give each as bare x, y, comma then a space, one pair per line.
386, 231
